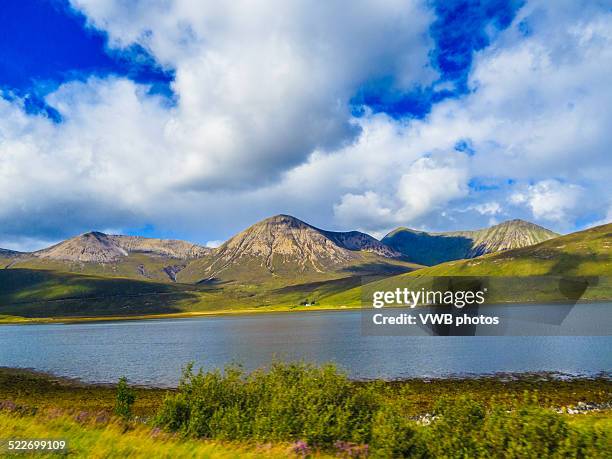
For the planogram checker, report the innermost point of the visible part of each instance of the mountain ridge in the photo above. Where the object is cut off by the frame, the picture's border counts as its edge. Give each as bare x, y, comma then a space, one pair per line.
284, 245
431, 248
97, 247
6, 253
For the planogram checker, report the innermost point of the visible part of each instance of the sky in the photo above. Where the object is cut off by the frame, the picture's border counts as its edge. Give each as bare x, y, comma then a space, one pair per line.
194, 119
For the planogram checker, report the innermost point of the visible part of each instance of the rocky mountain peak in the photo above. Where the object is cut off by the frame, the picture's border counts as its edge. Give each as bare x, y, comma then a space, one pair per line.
93, 247
97, 247
283, 241
433, 248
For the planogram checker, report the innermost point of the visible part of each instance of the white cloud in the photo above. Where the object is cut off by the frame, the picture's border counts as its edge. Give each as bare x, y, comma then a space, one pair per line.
259, 87
214, 244
429, 185
487, 208
550, 199
359, 208
262, 85
262, 124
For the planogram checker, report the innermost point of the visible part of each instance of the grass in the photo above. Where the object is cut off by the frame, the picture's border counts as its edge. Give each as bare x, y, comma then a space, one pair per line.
115, 439
539, 273
262, 414
585, 253
137, 266
49, 296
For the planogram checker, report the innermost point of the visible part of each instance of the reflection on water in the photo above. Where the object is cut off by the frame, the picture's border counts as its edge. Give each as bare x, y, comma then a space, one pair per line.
153, 352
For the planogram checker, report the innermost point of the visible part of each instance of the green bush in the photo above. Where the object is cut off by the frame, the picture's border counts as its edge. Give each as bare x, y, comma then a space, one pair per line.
463, 428
125, 399
394, 435
320, 407
289, 402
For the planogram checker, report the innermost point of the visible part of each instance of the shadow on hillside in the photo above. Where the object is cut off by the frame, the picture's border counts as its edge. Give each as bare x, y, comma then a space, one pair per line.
568, 262
38, 293
213, 282
429, 249
376, 269
327, 286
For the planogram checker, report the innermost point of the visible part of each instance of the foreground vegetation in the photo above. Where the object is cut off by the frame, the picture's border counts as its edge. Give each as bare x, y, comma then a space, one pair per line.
298, 409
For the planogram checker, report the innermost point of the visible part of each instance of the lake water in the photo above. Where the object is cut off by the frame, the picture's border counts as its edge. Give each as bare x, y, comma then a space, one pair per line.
153, 352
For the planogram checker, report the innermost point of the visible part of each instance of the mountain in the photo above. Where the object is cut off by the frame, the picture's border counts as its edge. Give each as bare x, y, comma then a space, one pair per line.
8, 257
551, 271
5, 253
434, 248
106, 255
584, 253
284, 246
98, 247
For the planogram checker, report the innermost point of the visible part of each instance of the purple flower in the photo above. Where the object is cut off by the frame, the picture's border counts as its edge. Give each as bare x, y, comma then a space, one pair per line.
301, 447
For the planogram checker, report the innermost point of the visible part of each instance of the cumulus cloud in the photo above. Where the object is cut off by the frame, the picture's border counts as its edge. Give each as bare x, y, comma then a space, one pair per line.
487, 208
260, 86
262, 124
550, 199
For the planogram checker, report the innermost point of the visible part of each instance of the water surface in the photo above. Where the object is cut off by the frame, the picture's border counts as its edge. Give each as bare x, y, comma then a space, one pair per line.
153, 352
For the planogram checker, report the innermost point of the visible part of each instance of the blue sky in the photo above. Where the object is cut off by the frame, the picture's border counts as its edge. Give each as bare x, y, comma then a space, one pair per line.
192, 119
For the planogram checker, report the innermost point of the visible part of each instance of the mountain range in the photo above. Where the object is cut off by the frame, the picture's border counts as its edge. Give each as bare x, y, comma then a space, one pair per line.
434, 248
283, 246
279, 246
279, 261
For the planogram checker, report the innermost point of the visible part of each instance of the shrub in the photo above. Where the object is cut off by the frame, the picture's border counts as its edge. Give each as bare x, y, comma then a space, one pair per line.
463, 428
125, 399
319, 405
394, 435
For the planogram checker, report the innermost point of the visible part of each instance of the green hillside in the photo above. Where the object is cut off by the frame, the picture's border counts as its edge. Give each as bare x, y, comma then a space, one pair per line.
542, 272
137, 266
35, 294
434, 248
584, 253
43, 293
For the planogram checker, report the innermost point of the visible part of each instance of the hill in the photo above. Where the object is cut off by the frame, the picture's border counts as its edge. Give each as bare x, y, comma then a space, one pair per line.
434, 248
584, 253
5, 253
96, 247
280, 262
46, 293
101, 254
542, 272
284, 247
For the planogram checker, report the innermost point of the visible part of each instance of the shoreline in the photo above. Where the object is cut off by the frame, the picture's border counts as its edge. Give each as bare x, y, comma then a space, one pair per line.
67, 320
499, 377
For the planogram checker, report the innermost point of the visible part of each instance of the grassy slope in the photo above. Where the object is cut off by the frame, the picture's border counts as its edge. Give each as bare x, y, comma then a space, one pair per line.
30, 294
584, 253
131, 267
